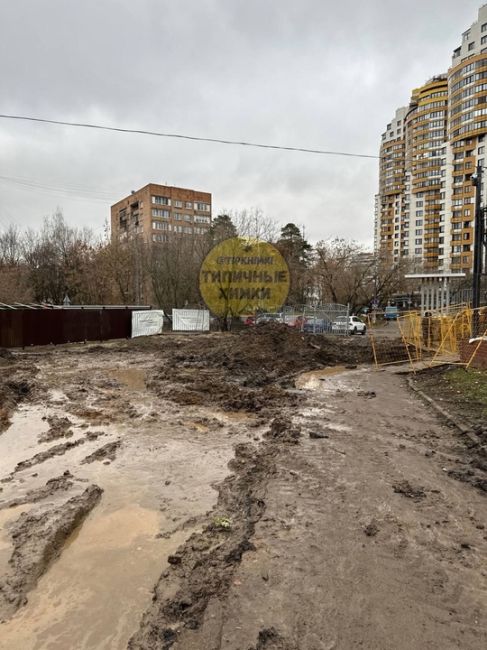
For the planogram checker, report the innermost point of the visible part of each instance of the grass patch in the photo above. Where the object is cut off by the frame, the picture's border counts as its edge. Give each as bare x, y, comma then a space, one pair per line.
471, 385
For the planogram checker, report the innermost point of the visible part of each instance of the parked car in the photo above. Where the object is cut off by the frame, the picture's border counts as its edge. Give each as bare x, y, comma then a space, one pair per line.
391, 312
269, 318
355, 325
248, 320
317, 326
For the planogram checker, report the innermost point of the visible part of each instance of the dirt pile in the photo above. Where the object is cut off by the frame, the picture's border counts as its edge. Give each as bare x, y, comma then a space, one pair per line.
37, 540
53, 486
248, 370
42, 456
204, 566
106, 452
270, 639
283, 430
270, 352
415, 492
16, 384
58, 428
202, 387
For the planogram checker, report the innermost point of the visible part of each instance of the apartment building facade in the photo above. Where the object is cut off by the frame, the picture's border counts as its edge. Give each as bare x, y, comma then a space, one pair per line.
392, 198
156, 212
425, 209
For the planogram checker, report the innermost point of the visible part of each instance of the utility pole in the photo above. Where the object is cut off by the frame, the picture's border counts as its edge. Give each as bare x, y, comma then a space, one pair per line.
477, 249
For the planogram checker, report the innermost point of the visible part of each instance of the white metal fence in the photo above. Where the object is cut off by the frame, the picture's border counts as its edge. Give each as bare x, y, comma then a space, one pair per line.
324, 319
190, 320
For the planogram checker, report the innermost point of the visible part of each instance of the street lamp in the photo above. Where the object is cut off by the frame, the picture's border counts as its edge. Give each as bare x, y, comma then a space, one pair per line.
478, 243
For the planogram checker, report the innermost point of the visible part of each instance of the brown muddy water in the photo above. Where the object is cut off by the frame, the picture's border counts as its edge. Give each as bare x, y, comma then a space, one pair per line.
155, 493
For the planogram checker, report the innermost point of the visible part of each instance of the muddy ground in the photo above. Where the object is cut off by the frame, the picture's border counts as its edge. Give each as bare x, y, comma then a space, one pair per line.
462, 395
251, 490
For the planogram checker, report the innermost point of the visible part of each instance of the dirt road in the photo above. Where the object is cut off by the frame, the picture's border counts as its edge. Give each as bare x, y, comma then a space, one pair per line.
339, 522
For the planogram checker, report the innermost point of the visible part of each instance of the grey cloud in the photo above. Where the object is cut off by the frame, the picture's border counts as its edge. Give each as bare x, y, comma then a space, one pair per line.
312, 73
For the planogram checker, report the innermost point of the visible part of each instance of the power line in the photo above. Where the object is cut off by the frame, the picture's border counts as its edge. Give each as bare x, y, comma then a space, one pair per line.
67, 192
188, 137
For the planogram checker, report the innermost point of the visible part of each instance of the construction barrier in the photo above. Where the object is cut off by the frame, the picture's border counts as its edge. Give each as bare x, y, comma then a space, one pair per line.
455, 336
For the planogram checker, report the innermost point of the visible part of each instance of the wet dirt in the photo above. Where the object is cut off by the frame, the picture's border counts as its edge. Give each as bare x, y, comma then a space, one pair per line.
17, 384
52, 486
337, 557
37, 540
58, 428
255, 532
164, 464
464, 397
106, 452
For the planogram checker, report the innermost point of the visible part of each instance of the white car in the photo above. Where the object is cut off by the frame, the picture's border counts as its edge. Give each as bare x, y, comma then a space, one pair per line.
355, 325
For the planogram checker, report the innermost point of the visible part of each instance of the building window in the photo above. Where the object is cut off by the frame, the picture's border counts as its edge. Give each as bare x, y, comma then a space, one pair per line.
201, 218
159, 238
471, 46
159, 225
157, 212
202, 207
484, 27
188, 204
161, 200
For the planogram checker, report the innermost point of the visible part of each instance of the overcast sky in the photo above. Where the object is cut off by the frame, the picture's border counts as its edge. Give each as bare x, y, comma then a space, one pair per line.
324, 74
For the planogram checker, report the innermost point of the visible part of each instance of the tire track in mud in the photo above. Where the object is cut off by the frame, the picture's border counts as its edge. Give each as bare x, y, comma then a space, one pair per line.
38, 538
203, 568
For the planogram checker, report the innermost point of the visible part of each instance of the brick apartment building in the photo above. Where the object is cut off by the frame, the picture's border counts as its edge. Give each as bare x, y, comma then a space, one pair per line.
156, 211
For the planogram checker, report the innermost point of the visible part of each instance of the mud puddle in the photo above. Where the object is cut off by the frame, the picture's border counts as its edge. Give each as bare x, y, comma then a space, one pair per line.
20, 440
93, 596
132, 378
155, 491
326, 379
312, 378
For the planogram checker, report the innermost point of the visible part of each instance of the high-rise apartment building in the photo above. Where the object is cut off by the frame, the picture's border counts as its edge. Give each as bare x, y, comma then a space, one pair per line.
467, 94
391, 200
155, 212
425, 206
427, 159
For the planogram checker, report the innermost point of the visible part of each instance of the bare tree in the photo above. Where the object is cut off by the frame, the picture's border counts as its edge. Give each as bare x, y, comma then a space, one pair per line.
173, 267
253, 224
345, 273
14, 284
10, 247
55, 257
